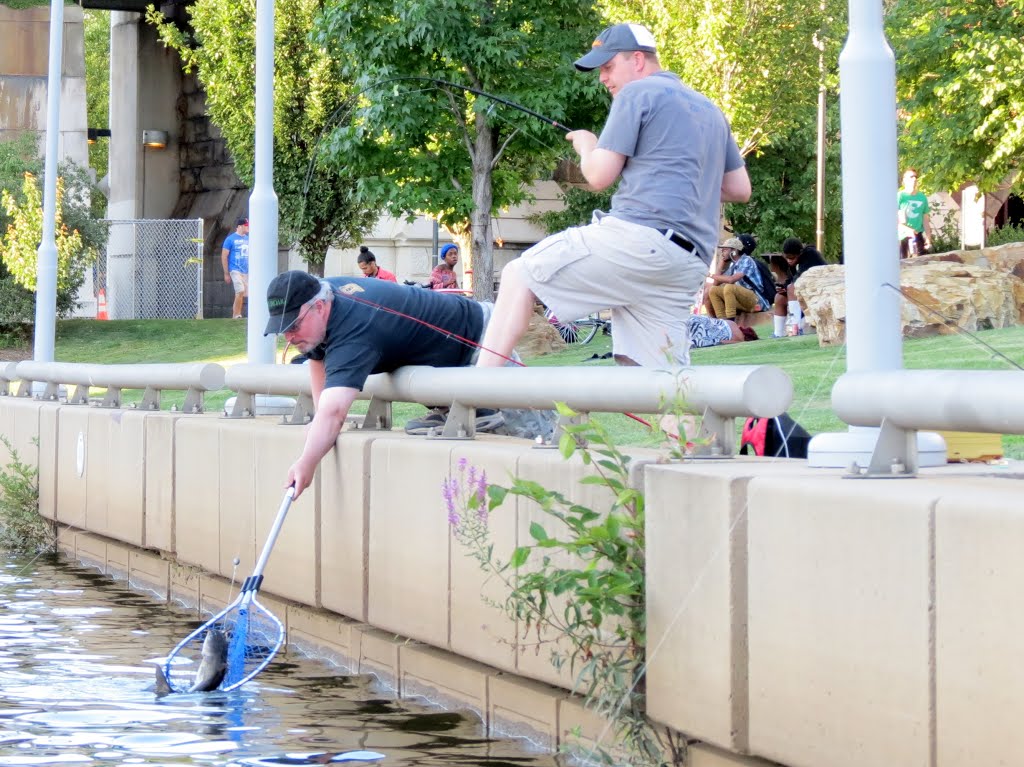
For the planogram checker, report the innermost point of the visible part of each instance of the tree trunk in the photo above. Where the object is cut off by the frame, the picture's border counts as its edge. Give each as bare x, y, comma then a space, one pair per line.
479, 265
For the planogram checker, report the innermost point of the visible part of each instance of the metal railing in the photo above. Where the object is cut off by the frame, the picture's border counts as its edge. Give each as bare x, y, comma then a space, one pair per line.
903, 402
719, 394
8, 375
192, 378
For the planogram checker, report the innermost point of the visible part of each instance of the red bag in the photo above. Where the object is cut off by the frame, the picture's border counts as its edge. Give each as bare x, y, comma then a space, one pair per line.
779, 437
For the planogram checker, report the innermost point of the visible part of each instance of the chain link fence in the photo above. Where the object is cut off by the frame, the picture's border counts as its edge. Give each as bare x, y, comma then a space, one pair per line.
153, 269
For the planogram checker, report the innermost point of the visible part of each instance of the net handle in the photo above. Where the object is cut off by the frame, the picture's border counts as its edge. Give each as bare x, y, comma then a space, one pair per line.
274, 532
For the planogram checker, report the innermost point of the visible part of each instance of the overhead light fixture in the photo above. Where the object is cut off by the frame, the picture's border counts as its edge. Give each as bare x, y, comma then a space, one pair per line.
154, 139
92, 135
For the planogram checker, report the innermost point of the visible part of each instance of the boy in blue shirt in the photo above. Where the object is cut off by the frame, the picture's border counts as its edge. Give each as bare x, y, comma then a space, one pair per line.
234, 259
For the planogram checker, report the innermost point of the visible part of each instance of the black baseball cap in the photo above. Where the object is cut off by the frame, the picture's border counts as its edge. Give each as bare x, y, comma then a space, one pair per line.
242, 221
621, 38
286, 295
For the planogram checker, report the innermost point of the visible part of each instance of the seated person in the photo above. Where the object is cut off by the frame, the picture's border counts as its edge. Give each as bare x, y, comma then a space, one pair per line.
443, 277
368, 266
796, 259
710, 331
736, 287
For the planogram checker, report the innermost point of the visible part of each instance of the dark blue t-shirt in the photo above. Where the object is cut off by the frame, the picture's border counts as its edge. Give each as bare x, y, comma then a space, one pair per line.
364, 338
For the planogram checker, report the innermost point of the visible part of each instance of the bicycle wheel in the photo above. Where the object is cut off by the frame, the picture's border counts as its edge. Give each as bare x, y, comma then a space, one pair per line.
581, 331
586, 328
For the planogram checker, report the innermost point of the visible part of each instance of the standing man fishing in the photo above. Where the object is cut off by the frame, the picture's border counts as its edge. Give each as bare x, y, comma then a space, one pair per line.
647, 257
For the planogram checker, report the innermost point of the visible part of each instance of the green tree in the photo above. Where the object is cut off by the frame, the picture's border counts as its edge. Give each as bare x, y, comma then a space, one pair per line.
25, 232
79, 209
759, 61
221, 48
961, 89
97, 84
783, 177
432, 149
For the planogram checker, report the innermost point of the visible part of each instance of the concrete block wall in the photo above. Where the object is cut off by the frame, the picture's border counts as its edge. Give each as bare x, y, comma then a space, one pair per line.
24, 65
793, 615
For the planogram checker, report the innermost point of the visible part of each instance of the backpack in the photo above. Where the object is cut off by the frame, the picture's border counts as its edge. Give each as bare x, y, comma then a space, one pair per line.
779, 437
767, 291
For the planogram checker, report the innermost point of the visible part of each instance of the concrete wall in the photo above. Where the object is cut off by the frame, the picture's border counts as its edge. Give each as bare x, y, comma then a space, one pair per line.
24, 65
145, 80
831, 621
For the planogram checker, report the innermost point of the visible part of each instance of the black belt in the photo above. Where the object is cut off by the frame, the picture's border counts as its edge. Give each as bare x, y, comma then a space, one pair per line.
678, 239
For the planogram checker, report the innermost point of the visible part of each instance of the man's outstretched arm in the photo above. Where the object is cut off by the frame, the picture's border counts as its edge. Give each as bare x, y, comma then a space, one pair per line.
331, 408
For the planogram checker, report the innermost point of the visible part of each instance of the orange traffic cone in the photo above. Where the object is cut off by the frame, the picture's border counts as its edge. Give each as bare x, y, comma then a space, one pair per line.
101, 306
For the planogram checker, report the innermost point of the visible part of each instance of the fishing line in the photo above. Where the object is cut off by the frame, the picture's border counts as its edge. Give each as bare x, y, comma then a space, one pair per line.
352, 102
948, 322
460, 339
718, 550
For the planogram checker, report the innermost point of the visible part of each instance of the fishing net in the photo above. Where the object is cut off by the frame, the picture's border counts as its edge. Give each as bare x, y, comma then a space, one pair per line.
253, 636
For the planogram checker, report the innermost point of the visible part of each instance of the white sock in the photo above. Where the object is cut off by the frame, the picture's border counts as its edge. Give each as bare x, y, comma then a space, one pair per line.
795, 312
780, 325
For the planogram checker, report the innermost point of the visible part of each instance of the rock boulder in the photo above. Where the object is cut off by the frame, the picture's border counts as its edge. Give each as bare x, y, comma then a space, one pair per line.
541, 337
939, 296
1007, 259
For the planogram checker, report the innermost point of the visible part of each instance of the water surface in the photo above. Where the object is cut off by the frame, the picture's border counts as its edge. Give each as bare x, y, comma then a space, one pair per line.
76, 678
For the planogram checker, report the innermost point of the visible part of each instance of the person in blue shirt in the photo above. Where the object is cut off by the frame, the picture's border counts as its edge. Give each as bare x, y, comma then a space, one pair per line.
234, 259
737, 287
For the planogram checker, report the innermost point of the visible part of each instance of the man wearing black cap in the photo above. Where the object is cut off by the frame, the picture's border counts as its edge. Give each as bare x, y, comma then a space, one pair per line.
350, 327
647, 257
234, 259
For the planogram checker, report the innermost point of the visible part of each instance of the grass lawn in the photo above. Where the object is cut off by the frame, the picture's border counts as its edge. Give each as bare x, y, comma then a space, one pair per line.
812, 369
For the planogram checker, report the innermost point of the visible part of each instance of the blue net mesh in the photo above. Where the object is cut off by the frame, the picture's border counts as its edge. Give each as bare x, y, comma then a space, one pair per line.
253, 634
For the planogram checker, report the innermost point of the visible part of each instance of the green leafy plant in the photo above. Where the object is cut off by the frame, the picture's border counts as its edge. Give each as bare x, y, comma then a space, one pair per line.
24, 233
946, 236
578, 587
21, 526
1005, 234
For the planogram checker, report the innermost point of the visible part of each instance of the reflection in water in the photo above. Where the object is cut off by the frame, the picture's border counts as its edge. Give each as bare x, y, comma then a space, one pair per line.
76, 687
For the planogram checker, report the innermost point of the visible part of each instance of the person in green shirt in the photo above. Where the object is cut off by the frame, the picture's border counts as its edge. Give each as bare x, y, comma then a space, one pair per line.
915, 226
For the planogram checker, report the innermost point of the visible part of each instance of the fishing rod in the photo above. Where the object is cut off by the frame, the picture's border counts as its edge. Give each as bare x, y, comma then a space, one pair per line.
492, 97
463, 340
350, 103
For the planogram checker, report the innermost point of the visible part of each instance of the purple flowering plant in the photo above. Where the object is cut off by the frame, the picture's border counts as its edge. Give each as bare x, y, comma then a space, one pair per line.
578, 583
465, 499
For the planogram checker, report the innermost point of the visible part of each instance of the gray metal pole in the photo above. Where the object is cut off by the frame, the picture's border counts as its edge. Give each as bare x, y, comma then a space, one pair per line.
874, 336
819, 231
263, 207
46, 256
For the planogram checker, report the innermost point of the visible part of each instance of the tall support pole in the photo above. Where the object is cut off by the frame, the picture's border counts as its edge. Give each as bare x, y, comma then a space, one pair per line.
819, 229
46, 256
874, 338
867, 110
263, 208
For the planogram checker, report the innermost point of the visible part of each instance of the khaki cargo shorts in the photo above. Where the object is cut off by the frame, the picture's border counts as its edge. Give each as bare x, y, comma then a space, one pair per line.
648, 282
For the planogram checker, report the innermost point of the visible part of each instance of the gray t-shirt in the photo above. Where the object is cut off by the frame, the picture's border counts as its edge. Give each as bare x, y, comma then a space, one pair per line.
678, 145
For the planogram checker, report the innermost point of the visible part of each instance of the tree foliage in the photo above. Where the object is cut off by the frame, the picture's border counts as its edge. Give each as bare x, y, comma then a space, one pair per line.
784, 181
961, 89
423, 147
757, 59
80, 233
222, 49
97, 83
25, 232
